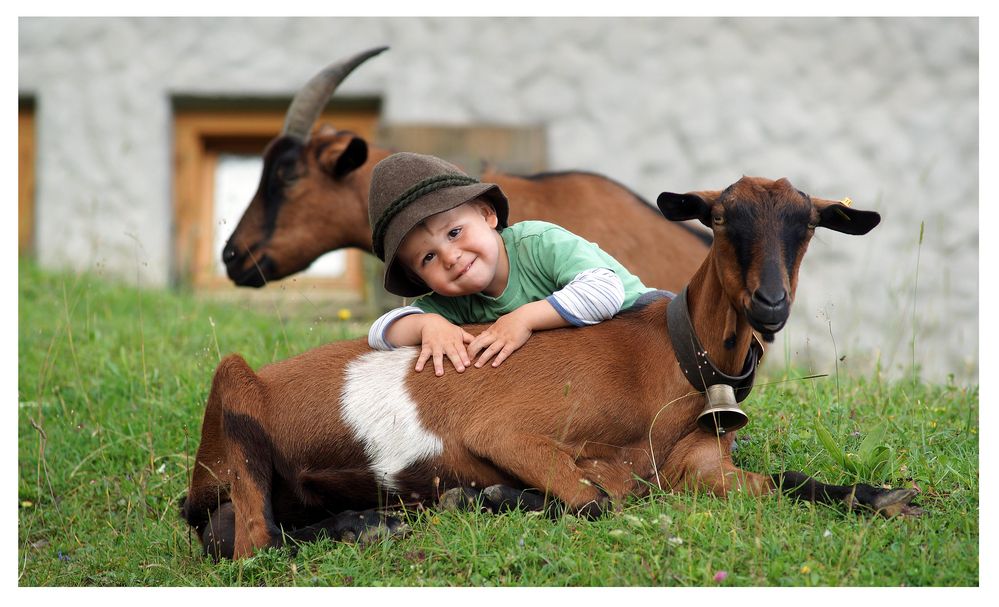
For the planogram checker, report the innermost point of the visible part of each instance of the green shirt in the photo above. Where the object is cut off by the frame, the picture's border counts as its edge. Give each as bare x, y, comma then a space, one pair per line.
543, 258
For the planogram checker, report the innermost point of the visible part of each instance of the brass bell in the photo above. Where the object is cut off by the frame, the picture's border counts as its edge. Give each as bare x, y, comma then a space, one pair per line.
721, 412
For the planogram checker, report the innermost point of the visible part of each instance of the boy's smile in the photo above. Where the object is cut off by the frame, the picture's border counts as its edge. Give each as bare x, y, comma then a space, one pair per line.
458, 252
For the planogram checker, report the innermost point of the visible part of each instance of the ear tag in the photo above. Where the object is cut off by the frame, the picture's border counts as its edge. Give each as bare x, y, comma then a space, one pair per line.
847, 202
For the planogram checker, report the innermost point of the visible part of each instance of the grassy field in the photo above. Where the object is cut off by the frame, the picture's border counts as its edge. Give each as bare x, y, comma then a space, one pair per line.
111, 389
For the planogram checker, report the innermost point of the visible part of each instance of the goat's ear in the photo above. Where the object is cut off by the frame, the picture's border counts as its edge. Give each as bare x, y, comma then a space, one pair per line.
692, 205
345, 153
837, 216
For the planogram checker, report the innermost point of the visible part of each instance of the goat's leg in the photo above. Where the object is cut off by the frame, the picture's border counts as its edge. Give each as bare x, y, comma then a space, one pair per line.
461, 499
539, 462
241, 401
350, 526
886, 502
250, 476
501, 498
708, 465
494, 498
254, 524
209, 483
704, 462
362, 527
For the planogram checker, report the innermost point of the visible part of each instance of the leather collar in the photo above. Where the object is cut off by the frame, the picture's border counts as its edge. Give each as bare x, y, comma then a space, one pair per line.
693, 358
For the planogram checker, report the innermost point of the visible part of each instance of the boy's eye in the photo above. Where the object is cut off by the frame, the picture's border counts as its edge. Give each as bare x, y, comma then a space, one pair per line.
454, 232
427, 259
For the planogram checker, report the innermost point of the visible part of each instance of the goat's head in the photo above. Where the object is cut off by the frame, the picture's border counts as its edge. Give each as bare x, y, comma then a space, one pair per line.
312, 196
761, 231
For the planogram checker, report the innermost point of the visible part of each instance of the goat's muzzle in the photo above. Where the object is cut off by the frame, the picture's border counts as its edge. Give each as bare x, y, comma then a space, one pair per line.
243, 270
721, 412
768, 311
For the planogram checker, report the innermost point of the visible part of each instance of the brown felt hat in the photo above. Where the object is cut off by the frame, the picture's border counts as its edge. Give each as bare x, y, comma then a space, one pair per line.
406, 188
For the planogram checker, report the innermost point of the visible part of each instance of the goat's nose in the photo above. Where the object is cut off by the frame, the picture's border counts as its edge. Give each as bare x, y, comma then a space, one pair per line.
770, 298
228, 253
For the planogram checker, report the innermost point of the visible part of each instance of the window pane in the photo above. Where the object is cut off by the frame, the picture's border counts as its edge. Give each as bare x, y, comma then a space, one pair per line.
236, 179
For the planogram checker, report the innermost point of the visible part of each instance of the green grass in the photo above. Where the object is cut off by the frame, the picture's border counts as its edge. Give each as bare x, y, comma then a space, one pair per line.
111, 389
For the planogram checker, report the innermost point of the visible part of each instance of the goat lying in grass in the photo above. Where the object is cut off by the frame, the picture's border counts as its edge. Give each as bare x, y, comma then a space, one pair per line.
587, 416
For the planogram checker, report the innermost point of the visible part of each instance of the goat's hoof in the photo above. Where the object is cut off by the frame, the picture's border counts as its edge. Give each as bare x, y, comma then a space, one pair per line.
459, 499
896, 502
367, 527
390, 527
219, 535
595, 509
503, 499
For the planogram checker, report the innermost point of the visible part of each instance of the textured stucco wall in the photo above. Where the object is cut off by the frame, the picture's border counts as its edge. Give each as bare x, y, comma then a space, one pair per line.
882, 110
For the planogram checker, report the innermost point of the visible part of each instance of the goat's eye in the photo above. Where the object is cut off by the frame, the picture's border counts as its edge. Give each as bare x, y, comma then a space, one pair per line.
718, 220
812, 225
285, 170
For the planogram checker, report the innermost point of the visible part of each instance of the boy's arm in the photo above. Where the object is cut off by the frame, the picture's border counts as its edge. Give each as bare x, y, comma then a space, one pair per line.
378, 334
512, 330
593, 296
438, 336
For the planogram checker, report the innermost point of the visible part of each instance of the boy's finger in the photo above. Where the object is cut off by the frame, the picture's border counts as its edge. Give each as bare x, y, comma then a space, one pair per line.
455, 359
438, 363
479, 343
422, 360
462, 354
492, 349
467, 337
503, 355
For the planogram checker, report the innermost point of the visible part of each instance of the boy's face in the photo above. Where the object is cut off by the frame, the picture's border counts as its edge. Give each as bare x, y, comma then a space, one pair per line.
458, 252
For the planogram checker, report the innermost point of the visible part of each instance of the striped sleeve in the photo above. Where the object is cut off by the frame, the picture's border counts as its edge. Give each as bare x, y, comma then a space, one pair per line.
376, 334
591, 297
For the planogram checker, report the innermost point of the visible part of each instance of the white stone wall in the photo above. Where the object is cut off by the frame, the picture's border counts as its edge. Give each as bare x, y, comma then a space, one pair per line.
884, 111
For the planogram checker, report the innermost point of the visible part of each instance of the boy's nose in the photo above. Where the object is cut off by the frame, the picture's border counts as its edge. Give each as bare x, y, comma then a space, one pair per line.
451, 255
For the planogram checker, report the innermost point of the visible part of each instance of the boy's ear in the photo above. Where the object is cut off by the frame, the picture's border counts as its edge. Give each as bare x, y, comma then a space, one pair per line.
692, 205
487, 211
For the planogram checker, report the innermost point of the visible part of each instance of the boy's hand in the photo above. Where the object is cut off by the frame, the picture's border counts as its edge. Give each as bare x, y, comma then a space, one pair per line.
441, 338
502, 339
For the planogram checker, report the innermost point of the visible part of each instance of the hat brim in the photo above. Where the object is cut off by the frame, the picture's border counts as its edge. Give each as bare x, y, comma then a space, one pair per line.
397, 279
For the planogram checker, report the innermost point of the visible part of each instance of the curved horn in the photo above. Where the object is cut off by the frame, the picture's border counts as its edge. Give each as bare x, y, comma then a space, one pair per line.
309, 102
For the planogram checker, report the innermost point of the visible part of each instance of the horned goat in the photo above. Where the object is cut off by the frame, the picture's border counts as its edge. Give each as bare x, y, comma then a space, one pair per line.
313, 198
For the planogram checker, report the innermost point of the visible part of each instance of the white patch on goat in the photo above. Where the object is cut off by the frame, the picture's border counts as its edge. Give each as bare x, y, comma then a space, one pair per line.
382, 414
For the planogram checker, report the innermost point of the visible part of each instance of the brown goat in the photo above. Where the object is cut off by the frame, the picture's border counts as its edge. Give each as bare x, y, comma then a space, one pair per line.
582, 414
313, 198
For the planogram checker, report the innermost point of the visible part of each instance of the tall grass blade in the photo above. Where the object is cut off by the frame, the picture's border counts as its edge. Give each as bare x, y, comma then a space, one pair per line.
871, 442
830, 445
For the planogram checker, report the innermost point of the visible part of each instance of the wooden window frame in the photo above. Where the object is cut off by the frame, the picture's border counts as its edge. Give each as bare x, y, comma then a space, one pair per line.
200, 137
25, 177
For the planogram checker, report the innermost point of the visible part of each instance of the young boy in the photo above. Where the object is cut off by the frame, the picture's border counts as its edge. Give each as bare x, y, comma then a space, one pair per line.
439, 230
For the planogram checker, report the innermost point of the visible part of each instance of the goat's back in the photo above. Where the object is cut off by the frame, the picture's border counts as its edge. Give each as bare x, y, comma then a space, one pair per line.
661, 253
